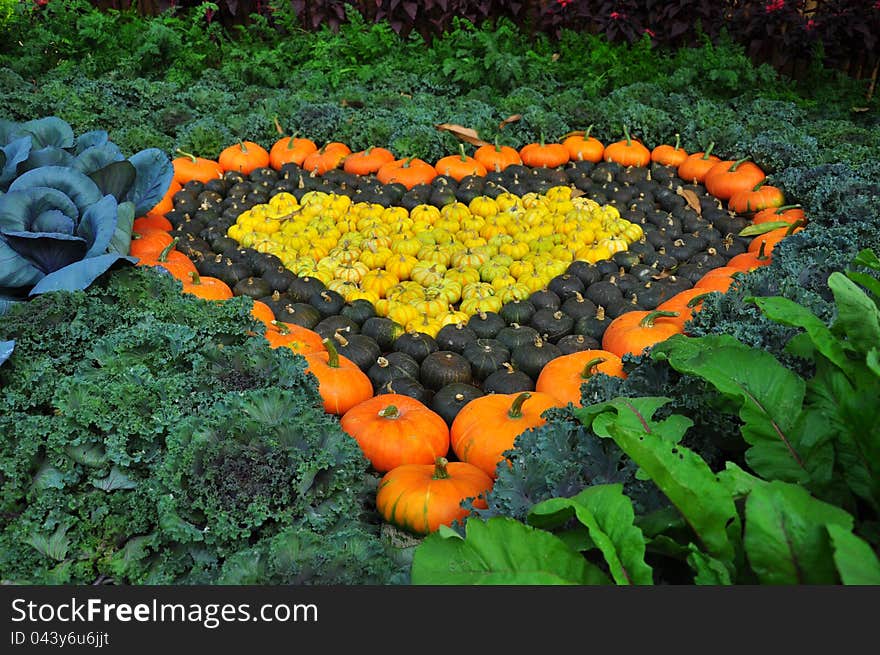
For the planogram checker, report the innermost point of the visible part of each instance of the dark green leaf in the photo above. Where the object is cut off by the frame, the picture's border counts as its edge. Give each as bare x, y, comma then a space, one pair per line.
708, 570
48, 156
6, 348
95, 158
858, 317
785, 537
114, 480
15, 270
868, 259
49, 131
121, 241
679, 472
500, 551
48, 251
856, 561
13, 153
90, 140
609, 516
115, 179
872, 284
98, 225
53, 546
769, 396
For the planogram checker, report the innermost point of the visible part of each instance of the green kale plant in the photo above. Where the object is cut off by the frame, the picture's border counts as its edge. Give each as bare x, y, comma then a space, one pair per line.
153, 437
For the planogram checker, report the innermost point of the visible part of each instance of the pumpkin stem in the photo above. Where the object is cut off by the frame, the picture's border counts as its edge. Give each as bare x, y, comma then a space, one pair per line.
391, 412
243, 147
736, 164
278, 126
440, 472
791, 228
587, 132
762, 256
188, 155
332, 354
590, 365
677, 142
708, 150
758, 186
648, 321
497, 144
163, 256
194, 278
600, 313
696, 300
516, 408
628, 137
382, 362
509, 367
464, 157
341, 339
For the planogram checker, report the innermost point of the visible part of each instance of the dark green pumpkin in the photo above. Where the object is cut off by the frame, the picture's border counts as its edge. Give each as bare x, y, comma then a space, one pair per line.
407, 387
417, 345
532, 357
327, 302
545, 299
577, 307
451, 399
328, 326
359, 310
508, 380
383, 330
486, 324
552, 324
303, 288
485, 357
444, 367
392, 366
574, 343
517, 311
516, 335
593, 326
566, 286
299, 313
255, 287
455, 337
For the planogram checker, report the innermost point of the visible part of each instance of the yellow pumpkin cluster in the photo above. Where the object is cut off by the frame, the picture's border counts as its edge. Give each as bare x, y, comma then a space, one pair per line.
428, 267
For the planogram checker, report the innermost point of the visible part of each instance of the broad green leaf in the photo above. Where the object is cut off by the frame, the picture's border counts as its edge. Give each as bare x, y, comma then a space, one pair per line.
786, 312
679, 472
53, 546
121, 241
113, 481
867, 258
873, 361
856, 561
609, 516
785, 537
769, 396
872, 284
762, 228
707, 569
88, 454
857, 315
660, 521
154, 174
77, 186
98, 225
501, 551
115, 179
48, 477
49, 131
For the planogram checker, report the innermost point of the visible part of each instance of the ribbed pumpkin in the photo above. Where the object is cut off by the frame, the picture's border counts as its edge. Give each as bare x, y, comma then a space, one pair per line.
341, 383
488, 426
243, 157
583, 147
728, 177
393, 430
668, 155
562, 377
420, 498
189, 167
634, 331
695, 167
628, 151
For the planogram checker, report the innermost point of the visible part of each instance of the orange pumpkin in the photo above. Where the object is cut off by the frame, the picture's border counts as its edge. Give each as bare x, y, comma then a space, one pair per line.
761, 196
367, 161
785, 214
718, 279
327, 158
244, 157
728, 177
420, 498
749, 260
290, 150
497, 157
459, 166
562, 377
151, 222
206, 287
408, 172
148, 244
189, 167
583, 147
634, 331
488, 426
694, 168
668, 155
393, 429
543, 154
685, 304
299, 339
769, 240
628, 151
173, 261
263, 313
341, 383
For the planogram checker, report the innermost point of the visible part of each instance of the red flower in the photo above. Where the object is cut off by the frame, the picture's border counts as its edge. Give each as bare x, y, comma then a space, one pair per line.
615, 15
775, 5
811, 24
563, 3
649, 32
